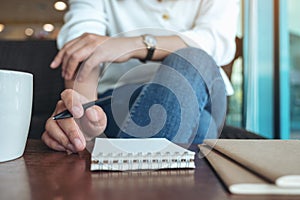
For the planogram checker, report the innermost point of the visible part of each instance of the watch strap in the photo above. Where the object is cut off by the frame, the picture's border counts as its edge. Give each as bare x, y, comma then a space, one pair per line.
149, 54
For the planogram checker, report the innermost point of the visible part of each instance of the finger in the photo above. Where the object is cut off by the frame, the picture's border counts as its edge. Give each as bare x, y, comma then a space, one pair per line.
94, 122
76, 53
59, 57
66, 132
73, 102
55, 132
74, 134
50, 142
72, 60
96, 117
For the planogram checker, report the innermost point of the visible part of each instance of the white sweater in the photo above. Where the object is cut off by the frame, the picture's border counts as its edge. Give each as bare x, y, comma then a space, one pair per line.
207, 24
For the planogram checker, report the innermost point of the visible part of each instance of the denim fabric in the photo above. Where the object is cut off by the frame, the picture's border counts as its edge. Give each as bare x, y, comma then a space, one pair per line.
185, 101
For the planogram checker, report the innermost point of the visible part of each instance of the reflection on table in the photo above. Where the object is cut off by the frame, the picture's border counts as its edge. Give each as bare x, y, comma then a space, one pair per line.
45, 174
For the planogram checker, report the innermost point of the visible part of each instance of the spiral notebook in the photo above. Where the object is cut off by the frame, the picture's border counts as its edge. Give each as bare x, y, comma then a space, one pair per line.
139, 154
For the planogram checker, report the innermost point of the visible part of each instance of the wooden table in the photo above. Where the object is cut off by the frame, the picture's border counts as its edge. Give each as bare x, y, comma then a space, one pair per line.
45, 174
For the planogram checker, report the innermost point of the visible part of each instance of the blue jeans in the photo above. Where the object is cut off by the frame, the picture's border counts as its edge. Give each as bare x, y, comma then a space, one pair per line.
185, 101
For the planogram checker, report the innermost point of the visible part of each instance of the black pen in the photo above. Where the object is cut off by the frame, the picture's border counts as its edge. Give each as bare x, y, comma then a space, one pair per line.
99, 102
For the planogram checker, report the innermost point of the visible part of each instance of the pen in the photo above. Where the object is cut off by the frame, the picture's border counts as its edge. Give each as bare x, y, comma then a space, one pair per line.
99, 102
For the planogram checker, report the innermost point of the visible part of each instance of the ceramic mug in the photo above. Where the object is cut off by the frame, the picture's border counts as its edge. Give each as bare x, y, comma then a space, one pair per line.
16, 93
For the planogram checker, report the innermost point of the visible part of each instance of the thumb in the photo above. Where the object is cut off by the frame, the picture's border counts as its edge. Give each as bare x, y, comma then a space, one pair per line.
93, 123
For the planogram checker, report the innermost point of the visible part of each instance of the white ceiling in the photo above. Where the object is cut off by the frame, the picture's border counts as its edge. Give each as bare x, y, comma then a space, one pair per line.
29, 11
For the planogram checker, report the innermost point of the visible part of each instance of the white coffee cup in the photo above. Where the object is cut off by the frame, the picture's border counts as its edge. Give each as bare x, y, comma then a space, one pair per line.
16, 93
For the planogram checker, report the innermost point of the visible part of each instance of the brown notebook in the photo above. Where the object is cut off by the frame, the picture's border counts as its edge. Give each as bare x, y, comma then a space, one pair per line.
238, 179
277, 161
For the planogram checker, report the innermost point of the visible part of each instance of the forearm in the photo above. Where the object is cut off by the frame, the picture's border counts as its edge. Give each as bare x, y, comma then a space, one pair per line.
101, 49
165, 46
87, 87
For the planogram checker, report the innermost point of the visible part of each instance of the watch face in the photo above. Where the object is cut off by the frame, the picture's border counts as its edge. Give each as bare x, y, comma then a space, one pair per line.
150, 40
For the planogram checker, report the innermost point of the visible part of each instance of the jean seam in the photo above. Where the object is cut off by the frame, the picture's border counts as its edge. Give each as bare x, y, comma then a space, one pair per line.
132, 111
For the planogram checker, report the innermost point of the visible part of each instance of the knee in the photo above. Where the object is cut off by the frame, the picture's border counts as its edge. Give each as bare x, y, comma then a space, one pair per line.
193, 61
191, 56
191, 52
196, 64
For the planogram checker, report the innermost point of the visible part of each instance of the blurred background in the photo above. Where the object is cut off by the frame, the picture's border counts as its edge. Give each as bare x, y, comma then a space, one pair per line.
266, 77
31, 19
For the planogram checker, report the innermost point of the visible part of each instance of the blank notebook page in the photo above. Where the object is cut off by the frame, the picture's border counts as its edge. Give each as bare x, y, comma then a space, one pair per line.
139, 154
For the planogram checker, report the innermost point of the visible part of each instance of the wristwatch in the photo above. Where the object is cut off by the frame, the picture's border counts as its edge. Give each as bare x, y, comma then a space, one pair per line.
150, 42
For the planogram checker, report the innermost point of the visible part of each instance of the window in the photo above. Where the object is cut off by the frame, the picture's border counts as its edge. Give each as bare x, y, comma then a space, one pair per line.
271, 69
293, 31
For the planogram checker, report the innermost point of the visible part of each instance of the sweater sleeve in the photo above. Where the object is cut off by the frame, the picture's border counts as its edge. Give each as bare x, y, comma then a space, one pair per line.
215, 29
83, 16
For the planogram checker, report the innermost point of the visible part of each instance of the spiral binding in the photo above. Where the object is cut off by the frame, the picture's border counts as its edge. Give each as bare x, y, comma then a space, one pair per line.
142, 161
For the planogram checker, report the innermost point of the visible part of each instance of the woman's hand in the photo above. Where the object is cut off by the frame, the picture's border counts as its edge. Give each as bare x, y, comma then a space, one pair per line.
71, 134
92, 50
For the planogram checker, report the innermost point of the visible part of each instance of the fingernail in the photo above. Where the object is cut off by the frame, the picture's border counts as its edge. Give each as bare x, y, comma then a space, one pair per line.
77, 142
53, 63
71, 147
60, 148
69, 152
94, 115
76, 111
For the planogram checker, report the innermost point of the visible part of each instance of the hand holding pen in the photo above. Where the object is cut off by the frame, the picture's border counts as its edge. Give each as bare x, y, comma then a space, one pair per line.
71, 133
99, 102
